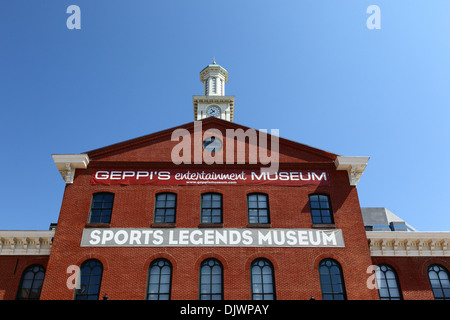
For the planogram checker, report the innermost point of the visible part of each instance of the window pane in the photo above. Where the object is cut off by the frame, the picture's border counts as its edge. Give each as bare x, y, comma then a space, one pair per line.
440, 285
206, 204
170, 204
105, 219
320, 209
164, 287
315, 213
161, 196
101, 208
107, 205
325, 213
170, 219
108, 197
171, 197
262, 280
257, 288
253, 204
268, 288
97, 204
314, 205
316, 220
159, 280
31, 283
160, 203
91, 274
331, 280
326, 220
165, 208
258, 208
324, 205
211, 280
262, 204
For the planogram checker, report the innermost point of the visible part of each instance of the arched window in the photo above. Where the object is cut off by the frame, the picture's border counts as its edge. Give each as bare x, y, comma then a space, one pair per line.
31, 283
320, 209
90, 279
331, 280
263, 280
211, 208
211, 280
258, 208
387, 283
165, 207
439, 281
101, 207
159, 280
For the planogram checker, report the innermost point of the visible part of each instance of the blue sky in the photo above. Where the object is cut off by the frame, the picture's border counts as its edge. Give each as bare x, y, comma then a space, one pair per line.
311, 69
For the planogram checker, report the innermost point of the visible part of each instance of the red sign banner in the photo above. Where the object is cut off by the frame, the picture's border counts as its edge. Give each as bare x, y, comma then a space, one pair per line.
209, 177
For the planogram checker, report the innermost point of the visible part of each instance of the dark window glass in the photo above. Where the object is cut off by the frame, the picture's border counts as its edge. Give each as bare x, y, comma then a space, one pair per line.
31, 283
387, 283
258, 208
101, 207
331, 280
439, 281
159, 280
211, 280
211, 208
263, 281
320, 209
90, 279
165, 208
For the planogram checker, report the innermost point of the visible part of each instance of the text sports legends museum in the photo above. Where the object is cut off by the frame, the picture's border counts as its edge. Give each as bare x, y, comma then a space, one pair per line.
135, 224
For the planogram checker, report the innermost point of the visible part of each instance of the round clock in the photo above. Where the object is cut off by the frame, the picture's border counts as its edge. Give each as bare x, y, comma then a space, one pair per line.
213, 111
212, 144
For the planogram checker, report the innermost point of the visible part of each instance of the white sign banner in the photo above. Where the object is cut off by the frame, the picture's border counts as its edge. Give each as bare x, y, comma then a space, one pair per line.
180, 237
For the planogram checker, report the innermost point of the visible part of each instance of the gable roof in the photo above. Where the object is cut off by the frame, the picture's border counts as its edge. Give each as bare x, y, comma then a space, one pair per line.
285, 146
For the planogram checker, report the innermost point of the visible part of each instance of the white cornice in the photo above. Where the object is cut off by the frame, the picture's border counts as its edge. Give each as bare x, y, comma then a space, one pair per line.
213, 69
353, 165
403, 243
68, 163
26, 242
208, 99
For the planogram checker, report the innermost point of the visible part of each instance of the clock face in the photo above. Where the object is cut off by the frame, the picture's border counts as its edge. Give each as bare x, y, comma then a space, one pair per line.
213, 111
212, 144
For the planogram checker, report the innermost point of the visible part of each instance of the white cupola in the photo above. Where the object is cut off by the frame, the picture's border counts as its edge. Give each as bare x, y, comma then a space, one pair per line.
214, 102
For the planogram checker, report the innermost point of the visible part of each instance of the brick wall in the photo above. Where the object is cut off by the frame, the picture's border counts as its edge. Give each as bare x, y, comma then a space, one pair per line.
126, 269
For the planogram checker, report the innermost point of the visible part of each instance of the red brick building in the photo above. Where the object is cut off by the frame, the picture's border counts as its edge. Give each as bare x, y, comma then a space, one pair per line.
136, 225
